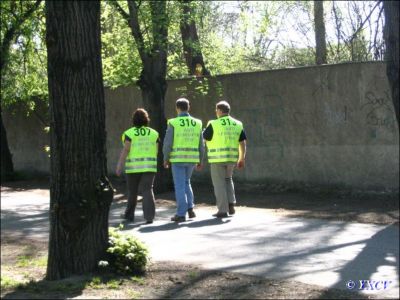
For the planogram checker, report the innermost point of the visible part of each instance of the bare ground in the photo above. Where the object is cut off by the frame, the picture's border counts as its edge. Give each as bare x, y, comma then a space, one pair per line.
168, 280
23, 261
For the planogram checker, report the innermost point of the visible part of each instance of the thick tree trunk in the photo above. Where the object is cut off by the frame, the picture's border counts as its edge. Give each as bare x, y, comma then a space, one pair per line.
391, 35
153, 85
191, 42
320, 42
7, 167
80, 193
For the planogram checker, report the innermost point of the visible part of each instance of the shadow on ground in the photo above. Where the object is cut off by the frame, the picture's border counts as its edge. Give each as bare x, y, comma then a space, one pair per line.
377, 208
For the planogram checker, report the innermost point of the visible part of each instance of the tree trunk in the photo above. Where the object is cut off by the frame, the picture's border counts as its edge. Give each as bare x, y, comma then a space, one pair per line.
152, 81
320, 41
191, 43
153, 85
80, 193
391, 35
7, 167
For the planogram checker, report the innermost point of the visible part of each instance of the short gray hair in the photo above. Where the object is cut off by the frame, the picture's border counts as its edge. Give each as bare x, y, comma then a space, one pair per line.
223, 106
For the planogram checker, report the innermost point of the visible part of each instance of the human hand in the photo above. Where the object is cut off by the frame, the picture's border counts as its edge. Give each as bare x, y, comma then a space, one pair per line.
240, 164
166, 164
199, 167
118, 171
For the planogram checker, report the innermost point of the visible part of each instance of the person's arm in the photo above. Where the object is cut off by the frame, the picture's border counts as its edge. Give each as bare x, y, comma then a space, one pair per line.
208, 133
242, 154
242, 150
122, 157
199, 166
167, 145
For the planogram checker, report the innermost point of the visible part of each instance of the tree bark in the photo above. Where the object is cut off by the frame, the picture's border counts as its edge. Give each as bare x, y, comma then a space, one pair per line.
391, 36
320, 41
152, 81
7, 167
80, 193
191, 42
153, 90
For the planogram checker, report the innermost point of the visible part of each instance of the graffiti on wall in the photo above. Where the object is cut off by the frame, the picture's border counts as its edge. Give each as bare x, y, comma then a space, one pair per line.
337, 117
378, 110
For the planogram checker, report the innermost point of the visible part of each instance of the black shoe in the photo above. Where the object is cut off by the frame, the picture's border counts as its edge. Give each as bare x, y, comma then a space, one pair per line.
231, 208
178, 219
149, 222
191, 213
220, 215
130, 219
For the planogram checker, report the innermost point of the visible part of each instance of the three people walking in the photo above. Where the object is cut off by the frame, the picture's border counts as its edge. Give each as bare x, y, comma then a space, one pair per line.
183, 151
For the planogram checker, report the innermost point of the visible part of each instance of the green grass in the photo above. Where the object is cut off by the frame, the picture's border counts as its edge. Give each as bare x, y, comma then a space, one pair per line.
95, 283
105, 283
114, 284
193, 274
10, 283
133, 295
24, 261
137, 279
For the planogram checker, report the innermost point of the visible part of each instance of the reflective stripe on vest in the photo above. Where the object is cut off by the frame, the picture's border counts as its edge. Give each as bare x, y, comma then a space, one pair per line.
185, 146
141, 159
224, 146
142, 156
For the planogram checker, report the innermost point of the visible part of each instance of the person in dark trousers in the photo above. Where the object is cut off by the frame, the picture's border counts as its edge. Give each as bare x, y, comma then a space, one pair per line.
139, 160
226, 149
183, 149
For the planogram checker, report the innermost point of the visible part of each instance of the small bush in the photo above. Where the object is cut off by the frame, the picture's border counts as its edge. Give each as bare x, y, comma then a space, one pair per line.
126, 254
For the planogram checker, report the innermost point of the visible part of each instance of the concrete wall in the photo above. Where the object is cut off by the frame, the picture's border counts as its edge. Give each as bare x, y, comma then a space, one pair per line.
331, 125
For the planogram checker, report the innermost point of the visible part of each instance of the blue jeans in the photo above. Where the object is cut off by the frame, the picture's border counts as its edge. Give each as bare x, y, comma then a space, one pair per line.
181, 172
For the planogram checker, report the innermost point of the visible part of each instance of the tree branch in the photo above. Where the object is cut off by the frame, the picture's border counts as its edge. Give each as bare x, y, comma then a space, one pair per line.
12, 32
363, 23
135, 27
122, 12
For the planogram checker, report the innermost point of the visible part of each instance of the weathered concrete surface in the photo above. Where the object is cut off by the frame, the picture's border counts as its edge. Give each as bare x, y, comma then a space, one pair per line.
331, 125
254, 241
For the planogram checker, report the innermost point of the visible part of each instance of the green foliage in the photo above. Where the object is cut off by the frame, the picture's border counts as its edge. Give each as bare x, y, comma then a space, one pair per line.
127, 255
24, 77
120, 57
95, 283
248, 38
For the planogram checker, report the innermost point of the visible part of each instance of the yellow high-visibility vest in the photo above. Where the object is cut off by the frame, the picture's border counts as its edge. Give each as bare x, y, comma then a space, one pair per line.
224, 145
185, 147
142, 156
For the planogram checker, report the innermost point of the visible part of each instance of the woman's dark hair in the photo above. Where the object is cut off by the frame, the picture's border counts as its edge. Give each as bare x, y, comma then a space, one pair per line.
140, 118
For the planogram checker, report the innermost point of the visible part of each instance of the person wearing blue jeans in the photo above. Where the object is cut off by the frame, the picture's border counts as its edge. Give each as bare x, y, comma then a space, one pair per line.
183, 150
181, 173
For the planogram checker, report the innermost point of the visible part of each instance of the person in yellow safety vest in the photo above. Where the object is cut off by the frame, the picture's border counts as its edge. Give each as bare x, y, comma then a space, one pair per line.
139, 159
183, 149
226, 149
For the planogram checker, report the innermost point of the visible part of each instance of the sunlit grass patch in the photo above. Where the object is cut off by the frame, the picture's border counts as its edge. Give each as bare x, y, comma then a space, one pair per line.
24, 261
